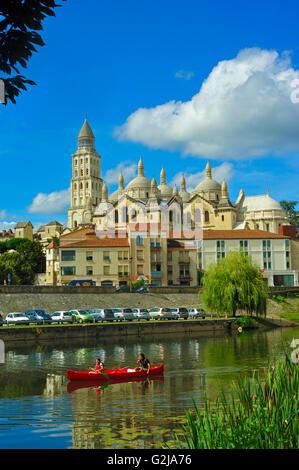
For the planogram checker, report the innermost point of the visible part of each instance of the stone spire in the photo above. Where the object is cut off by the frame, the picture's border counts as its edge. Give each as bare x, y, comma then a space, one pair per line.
86, 137
268, 191
104, 193
175, 190
154, 183
224, 190
140, 167
120, 182
162, 176
183, 183
208, 170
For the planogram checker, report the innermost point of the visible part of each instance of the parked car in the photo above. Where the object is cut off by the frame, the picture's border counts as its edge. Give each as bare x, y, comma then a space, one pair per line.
38, 316
61, 316
81, 316
180, 312
123, 314
1, 321
81, 283
124, 288
161, 313
17, 318
102, 314
141, 314
197, 313
142, 289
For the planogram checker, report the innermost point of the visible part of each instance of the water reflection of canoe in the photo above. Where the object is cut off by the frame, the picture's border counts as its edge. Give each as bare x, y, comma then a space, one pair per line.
114, 374
76, 385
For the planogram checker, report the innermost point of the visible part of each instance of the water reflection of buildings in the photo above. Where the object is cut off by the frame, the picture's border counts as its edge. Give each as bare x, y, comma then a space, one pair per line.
55, 385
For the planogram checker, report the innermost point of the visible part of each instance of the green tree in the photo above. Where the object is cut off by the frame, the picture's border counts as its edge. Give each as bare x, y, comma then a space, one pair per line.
292, 214
20, 21
18, 267
233, 284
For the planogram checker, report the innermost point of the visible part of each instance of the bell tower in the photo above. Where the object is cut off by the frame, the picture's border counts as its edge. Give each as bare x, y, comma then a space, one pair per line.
86, 182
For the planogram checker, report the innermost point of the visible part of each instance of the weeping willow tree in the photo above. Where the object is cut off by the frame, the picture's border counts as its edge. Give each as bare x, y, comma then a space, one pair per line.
233, 284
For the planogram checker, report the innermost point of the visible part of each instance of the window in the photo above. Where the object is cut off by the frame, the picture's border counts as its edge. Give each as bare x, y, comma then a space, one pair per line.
140, 254
139, 240
267, 254
89, 270
68, 270
170, 216
169, 270
89, 256
207, 216
106, 256
220, 249
267, 227
222, 218
244, 246
287, 247
106, 270
139, 269
69, 255
116, 217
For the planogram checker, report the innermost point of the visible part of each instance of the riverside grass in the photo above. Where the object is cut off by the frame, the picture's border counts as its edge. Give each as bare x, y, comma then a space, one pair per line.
259, 413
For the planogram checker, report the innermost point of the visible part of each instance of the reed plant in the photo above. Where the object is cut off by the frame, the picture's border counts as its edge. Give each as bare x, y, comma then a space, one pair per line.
260, 412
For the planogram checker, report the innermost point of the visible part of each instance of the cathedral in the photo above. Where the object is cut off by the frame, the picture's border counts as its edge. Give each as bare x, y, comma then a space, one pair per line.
218, 212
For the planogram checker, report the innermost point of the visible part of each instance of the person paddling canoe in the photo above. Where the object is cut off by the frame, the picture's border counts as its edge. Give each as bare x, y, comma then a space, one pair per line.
143, 363
98, 368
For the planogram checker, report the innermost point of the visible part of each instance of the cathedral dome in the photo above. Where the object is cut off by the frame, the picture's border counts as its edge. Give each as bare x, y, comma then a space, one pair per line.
140, 182
208, 184
165, 189
258, 203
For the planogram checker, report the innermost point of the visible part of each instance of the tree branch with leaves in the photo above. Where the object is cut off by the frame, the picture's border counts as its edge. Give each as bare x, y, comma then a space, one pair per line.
20, 22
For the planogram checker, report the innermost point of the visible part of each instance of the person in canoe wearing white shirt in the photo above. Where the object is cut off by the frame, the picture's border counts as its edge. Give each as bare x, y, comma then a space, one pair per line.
98, 368
143, 363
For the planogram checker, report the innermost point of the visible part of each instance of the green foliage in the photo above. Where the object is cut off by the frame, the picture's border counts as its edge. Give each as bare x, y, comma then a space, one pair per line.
233, 284
16, 265
245, 322
138, 284
259, 413
278, 298
27, 260
19, 38
292, 214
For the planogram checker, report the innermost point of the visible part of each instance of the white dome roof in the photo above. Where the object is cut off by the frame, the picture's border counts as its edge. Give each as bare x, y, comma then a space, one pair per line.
255, 203
208, 185
113, 196
165, 190
140, 182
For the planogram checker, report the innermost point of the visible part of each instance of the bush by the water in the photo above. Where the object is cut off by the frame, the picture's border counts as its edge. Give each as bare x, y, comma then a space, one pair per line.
259, 413
245, 322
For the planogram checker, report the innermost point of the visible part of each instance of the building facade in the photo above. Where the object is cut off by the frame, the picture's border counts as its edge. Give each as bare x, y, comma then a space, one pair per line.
167, 261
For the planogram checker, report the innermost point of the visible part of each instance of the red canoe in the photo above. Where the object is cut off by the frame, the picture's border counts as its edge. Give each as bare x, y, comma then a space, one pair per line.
79, 384
114, 374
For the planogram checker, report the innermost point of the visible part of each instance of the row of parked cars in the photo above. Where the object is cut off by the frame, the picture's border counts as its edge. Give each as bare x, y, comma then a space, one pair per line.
40, 316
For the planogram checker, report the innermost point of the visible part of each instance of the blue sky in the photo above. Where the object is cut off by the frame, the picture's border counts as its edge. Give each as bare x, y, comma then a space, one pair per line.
151, 77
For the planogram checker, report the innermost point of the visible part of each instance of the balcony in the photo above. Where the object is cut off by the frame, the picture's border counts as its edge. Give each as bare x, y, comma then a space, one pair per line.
156, 273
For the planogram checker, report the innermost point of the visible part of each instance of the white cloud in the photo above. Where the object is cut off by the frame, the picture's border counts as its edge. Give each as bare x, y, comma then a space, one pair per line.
53, 203
128, 170
3, 214
184, 75
242, 109
4, 225
219, 173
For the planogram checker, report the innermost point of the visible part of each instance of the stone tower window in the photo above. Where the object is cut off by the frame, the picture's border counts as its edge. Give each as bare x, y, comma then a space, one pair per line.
207, 216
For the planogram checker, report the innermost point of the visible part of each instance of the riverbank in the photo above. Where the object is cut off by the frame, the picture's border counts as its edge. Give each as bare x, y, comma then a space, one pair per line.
50, 333
20, 302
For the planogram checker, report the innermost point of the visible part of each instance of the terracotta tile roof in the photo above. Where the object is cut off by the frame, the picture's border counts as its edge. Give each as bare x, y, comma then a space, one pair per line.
51, 245
239, 234
94, 242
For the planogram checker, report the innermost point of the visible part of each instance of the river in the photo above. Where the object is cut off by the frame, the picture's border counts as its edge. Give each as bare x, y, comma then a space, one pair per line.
37, 410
